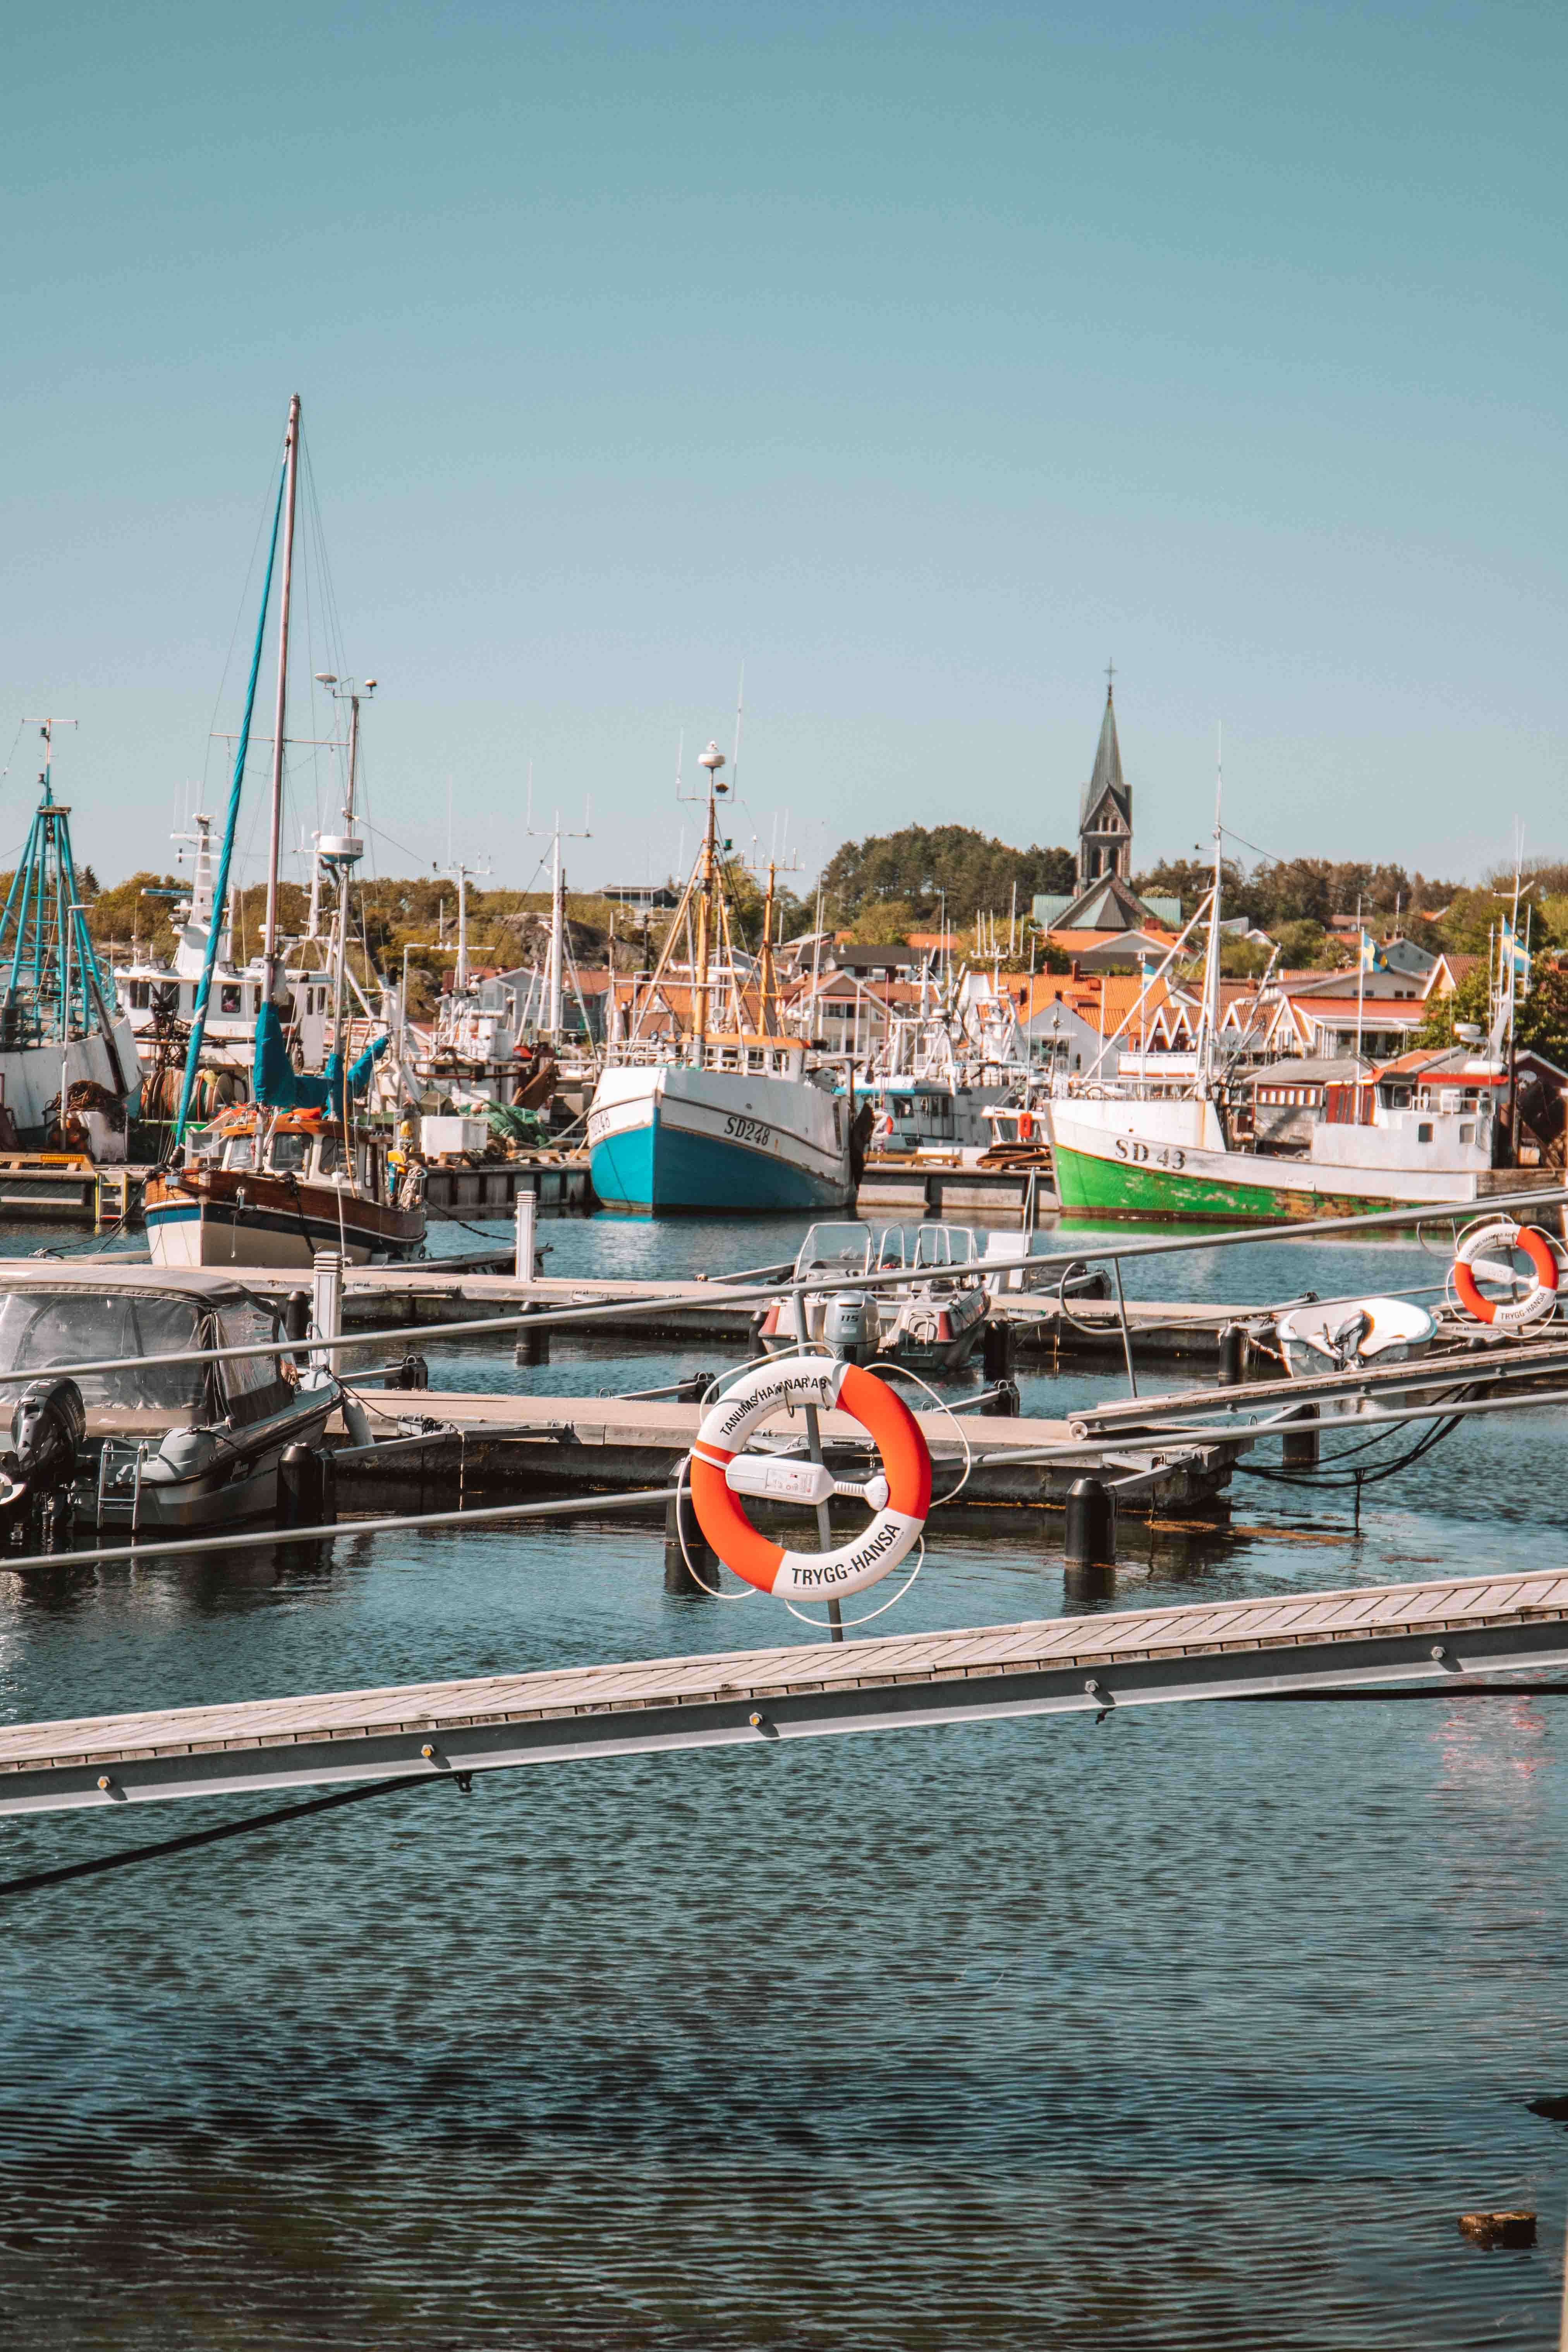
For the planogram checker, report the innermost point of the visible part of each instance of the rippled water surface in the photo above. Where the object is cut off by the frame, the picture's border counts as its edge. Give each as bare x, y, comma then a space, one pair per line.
1196, 2029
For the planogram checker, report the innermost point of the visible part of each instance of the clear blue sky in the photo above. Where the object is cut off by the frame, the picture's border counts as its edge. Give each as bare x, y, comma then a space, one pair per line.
923, 357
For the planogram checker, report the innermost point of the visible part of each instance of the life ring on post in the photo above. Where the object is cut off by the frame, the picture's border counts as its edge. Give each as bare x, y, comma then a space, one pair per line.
1538, 1301
723, 1470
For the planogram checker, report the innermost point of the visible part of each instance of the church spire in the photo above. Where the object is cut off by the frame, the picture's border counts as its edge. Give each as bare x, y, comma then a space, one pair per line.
1107, 777
1105, 815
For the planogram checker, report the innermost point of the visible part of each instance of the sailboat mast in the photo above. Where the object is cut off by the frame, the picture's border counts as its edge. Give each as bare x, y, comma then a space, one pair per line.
769, 1004
712, 759
555, 986
275, 840
1211, 963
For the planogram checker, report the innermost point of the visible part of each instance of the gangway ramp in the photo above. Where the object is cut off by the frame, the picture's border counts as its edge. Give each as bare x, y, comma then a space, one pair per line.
1100, 1664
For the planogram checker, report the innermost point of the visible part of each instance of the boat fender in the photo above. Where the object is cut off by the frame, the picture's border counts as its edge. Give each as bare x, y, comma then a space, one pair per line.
722, 1471
1538, 1301
356, 1421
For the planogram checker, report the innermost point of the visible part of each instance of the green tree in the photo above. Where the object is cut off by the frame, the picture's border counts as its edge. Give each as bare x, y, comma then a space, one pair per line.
1467, 1003
884, 923
922, 866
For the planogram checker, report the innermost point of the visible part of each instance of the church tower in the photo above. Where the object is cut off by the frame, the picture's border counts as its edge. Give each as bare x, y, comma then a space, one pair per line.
1105, 813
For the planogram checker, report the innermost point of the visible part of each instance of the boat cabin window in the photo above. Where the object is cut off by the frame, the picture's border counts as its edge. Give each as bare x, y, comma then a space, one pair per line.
253, 1386
288, 1154
140, 996
41, 1327
1467, 1133
328, 1155
230, 997
756, 1059
240, 1152
1423, 1131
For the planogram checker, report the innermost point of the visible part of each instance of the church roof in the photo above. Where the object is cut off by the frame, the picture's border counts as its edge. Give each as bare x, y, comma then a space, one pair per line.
1107, 905
1107, 777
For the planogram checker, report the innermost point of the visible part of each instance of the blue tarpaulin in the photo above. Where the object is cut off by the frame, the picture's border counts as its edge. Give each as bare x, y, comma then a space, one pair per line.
277, 1084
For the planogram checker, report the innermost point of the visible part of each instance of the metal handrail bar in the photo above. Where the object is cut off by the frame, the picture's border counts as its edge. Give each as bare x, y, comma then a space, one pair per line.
1312, 1388
1288, 1424
227, 1541
552, 1319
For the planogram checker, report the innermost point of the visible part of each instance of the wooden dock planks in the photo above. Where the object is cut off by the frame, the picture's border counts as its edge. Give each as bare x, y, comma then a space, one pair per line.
1132, 1657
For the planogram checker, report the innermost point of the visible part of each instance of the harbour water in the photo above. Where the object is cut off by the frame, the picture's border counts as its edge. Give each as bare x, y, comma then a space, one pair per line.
1196, 2029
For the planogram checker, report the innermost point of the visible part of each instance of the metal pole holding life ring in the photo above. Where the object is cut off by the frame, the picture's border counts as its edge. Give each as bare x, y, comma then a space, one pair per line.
1502, 1232
723, 1470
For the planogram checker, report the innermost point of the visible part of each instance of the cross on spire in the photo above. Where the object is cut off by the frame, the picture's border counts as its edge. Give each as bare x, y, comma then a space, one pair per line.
1110, 680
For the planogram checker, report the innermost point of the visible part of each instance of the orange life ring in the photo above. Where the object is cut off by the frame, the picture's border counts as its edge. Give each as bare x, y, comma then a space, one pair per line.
721, 1470
1538, 1301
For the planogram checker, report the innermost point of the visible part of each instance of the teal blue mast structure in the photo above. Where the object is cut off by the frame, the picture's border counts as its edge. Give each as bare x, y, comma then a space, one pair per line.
52, 988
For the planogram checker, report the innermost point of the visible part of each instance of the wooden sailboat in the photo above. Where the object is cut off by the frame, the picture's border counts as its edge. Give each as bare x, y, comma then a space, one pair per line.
292, 1172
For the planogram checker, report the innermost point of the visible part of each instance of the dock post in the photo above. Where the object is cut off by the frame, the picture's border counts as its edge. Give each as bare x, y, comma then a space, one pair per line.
532, 1347
1232, 1355
681, 1520
300, 1486
1301, 1452
327, 1302
1091, 1524
526, 1203
998, 1340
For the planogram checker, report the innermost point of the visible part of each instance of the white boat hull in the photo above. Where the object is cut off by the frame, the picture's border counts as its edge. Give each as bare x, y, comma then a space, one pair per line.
666, 1135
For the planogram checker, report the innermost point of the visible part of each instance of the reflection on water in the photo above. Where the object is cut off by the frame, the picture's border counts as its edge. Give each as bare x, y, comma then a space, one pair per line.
1196, 2027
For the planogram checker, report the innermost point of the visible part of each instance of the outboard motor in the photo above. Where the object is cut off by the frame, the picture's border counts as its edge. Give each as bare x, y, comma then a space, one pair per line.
849, 1326
47, 1427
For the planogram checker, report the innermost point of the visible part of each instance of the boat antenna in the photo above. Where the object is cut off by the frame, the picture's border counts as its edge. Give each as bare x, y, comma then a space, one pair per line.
735, 754
1211, 963
560, 945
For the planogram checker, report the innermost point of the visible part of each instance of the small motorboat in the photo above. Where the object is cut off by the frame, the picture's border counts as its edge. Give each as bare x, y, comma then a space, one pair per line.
1352, 1335
931, 1324
182, 1445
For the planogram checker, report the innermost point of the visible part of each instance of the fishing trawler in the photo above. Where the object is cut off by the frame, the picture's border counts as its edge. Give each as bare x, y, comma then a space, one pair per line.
706, 1105
1212, 1146
297, 1170
67, 1059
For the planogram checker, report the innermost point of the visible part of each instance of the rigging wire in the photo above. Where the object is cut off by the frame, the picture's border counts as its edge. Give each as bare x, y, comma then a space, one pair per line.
241, 607
35, 1879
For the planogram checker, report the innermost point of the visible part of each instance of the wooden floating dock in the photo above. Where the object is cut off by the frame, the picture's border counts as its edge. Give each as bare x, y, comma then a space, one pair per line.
891, 1188
34, 1195
557, 1180
585, 1444
391, 1298
1096, 1665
